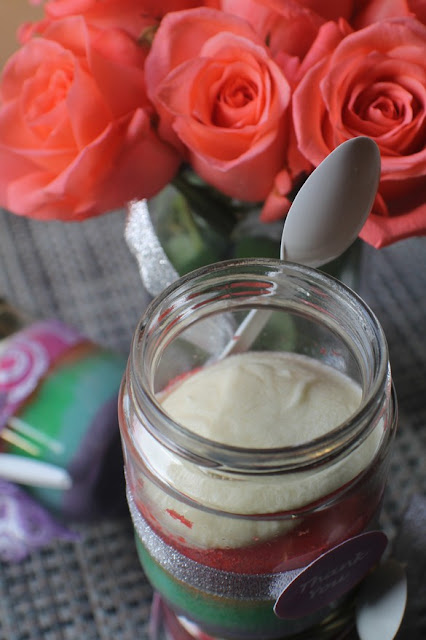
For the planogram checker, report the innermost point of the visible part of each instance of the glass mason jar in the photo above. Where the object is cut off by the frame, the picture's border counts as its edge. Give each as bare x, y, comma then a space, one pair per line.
244, 542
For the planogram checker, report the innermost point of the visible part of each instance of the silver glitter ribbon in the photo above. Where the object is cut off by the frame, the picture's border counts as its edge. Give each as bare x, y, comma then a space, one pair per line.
157, 273
266, 586
156, 270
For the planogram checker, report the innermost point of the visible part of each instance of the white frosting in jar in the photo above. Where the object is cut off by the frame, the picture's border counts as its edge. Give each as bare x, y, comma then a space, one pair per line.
263, 400
252, 400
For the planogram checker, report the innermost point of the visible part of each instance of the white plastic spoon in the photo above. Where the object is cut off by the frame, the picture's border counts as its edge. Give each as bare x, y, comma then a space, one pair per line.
325, 218
36, 473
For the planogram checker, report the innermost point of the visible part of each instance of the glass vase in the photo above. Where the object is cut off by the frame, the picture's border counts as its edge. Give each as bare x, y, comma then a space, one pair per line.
190, 232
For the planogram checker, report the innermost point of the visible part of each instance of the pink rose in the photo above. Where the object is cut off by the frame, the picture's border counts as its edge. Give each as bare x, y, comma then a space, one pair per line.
373, 84
76, 135
221, 98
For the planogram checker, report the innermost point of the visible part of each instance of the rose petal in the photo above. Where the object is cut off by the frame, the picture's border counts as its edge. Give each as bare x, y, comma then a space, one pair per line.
277, 204
115, 55
250, 177
380, 231
308, 111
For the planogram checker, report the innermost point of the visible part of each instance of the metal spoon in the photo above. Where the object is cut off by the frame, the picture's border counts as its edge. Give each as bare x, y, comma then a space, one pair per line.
325, 218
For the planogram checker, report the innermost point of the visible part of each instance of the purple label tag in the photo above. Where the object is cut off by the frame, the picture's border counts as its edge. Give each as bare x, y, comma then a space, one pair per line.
331, 575
26, 357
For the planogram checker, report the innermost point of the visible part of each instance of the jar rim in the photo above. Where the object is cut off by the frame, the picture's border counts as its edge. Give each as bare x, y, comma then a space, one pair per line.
200, 450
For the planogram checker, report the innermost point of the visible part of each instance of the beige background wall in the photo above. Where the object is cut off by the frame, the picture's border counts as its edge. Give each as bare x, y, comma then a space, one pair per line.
12, 14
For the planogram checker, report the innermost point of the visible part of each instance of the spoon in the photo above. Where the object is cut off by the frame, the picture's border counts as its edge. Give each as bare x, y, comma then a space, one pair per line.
324, 219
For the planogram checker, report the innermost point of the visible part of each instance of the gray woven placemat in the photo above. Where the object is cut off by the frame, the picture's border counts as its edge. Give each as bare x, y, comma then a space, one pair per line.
85, 275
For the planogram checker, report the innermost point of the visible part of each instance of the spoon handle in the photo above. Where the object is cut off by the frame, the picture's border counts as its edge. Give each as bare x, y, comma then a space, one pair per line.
246, 332
23, 470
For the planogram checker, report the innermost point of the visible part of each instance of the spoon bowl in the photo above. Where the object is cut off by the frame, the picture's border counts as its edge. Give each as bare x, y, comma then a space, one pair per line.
332, 206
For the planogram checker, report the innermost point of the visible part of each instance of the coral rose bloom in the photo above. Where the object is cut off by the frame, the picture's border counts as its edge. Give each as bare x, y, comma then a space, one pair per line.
76, 137
220, 98
374, 84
